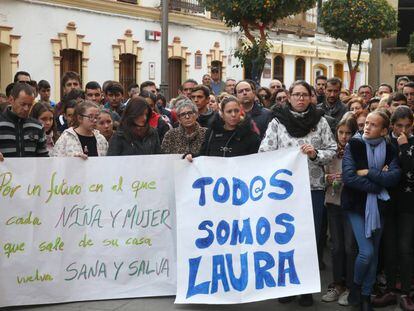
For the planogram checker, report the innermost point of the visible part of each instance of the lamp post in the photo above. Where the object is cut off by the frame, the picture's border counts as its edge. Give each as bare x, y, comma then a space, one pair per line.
164, 49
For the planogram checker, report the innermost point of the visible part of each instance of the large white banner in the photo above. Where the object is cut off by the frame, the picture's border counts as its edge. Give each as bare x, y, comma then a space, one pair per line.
74, 230
245, 229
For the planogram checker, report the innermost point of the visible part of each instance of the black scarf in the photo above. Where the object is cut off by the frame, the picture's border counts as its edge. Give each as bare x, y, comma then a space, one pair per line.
298, 124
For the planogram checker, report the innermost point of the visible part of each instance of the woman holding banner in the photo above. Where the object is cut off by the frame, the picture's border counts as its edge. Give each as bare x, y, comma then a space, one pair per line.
301, 124
135, 136
188, 137
231, 134
82, 139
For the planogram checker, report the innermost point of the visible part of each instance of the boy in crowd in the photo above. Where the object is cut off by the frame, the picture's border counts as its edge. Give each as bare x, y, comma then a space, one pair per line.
93, 92
114, 94
44, 92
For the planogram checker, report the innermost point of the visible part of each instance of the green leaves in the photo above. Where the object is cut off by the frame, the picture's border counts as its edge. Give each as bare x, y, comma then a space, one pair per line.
355, 21
256, 11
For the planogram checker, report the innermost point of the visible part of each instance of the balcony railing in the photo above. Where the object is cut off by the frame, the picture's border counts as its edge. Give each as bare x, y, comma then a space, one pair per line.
298, 25
191, 6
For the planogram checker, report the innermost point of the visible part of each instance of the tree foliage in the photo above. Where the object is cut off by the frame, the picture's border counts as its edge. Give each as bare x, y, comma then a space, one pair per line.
255, 16
355, 21
410, 48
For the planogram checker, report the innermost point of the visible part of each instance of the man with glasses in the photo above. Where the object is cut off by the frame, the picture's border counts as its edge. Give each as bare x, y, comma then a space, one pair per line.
22, 77
187, 87
366, 93
21, 136
333, 106
247, 97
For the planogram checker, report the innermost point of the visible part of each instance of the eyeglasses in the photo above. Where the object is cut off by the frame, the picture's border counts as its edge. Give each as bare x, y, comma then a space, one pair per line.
281, 98
91, 117
299, 95
187, 114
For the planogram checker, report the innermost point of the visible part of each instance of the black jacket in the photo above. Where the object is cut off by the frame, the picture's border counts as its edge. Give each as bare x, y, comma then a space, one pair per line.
222, 143
403, 194
337, 111
205, 120
119, 145
261, 117
354, 192
21, 137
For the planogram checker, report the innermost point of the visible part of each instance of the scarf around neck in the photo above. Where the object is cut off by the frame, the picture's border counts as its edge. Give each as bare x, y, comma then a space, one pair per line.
376, 152
298, 124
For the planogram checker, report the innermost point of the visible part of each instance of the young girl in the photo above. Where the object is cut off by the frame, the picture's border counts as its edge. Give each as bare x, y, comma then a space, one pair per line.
44, 114
105, 124
82, 139
343, 242
369, 169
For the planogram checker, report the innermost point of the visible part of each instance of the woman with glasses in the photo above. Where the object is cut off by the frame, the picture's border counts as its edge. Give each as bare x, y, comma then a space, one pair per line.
300, 124
264, 96
82, 139
188, 137
279, 98
135, 136
231, 134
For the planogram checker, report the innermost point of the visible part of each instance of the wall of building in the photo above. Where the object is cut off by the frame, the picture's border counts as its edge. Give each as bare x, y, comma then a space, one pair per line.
103, 31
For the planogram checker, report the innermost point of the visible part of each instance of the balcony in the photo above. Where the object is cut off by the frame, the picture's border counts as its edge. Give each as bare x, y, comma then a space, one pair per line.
186, 6
302, 25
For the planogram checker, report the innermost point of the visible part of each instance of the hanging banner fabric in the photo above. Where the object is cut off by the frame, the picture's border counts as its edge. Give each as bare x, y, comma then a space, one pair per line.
245, 229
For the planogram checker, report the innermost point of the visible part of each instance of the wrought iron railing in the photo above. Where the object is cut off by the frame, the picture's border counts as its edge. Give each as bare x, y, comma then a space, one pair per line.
186, 6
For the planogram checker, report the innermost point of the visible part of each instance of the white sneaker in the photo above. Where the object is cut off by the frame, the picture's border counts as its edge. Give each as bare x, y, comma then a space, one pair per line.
332, 294
343, 298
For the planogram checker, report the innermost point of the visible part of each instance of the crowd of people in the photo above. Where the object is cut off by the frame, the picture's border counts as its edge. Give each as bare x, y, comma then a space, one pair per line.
359, 147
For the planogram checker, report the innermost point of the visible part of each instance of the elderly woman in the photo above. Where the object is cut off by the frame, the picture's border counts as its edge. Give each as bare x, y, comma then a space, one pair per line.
188, 137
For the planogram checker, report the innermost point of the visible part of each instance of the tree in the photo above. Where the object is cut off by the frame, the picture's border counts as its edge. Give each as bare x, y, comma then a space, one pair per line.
410, 48
355, 21
255, 16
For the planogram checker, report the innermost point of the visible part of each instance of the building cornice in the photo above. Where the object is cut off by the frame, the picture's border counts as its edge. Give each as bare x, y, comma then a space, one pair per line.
137, 11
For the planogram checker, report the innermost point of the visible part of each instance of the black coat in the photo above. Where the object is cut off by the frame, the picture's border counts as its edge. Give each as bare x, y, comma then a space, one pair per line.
354, 192
261, 117
222, 143
403, 194
119, 145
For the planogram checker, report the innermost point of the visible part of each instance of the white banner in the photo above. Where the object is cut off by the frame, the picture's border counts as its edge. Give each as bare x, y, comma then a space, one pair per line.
73, 230
245, 229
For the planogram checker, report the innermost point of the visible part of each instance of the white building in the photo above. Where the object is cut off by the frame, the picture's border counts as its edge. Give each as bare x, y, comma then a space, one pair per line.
106, 40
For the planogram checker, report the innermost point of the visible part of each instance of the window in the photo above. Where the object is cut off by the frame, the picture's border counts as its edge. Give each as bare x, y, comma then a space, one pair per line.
127, 70
300, 69
339, 70
71, 60
198, 57
278, 68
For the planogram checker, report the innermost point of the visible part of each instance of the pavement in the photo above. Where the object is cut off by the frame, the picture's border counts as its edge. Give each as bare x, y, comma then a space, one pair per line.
167, 303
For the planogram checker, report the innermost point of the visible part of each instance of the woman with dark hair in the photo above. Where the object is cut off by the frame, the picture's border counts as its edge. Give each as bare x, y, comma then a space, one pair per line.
279, 98
44, 114
264, 96
82, 139
156, 121
300, 124
135, 136
231, 134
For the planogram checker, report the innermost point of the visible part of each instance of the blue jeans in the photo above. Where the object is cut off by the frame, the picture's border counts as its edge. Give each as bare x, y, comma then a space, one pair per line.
367, 259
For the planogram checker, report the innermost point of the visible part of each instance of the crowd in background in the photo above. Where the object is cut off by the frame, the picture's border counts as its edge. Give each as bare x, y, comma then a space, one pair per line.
359, 147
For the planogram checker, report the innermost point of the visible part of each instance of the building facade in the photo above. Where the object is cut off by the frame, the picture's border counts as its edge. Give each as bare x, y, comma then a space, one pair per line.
120, 40
389, 56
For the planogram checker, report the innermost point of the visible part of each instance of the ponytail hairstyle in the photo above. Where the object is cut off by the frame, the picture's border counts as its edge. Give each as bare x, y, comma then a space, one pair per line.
80, 110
